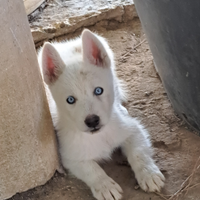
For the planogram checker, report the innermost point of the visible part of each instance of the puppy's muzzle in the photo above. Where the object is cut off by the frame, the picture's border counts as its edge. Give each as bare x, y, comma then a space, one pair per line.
92, 121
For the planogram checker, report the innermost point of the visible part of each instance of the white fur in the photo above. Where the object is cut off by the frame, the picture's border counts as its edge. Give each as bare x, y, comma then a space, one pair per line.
78, 74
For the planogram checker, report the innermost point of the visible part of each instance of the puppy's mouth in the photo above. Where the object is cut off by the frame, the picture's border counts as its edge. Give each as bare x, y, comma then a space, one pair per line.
95, 129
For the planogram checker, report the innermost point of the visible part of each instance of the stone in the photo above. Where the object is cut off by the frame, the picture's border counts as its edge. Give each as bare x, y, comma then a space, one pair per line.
59, 18
28, 148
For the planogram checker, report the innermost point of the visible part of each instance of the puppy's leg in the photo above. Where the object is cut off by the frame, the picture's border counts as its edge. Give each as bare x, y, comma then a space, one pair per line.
102, 186
138, 150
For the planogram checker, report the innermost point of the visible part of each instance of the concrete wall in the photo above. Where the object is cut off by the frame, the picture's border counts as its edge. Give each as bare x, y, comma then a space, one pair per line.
28, 155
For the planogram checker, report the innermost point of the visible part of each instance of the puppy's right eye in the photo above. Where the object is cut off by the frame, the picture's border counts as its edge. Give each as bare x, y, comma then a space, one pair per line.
98, 91
71, 100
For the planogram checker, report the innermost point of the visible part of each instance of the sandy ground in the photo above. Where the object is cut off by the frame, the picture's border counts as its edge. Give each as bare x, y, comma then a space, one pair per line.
176, 146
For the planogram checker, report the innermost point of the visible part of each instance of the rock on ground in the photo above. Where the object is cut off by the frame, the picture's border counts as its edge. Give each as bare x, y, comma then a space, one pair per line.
57, 17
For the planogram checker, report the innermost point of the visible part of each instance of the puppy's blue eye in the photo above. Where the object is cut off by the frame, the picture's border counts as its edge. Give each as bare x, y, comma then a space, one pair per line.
98, 91
71, 100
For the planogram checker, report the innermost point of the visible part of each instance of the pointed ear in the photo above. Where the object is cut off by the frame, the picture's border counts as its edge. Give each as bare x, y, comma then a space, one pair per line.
52, 64
93, 50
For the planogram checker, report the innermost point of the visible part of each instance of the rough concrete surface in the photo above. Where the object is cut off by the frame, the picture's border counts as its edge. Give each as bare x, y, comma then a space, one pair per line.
176, 146
28, 155
61, 17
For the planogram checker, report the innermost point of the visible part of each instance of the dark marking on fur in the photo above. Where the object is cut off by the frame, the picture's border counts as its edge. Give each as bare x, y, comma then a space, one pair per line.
78, 49
84, 73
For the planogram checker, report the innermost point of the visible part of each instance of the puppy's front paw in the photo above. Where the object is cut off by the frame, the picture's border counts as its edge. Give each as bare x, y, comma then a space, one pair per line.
107, 189
150, 178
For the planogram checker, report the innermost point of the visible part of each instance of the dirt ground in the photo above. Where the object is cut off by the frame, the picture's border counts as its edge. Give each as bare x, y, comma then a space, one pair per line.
176, 146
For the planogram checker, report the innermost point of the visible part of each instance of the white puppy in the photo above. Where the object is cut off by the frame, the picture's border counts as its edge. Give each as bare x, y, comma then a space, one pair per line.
85, 98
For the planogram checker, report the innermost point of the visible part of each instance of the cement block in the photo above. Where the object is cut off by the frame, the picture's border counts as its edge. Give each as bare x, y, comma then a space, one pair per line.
28, 154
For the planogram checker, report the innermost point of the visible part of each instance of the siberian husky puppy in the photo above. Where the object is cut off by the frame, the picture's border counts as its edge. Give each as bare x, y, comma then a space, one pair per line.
85, 99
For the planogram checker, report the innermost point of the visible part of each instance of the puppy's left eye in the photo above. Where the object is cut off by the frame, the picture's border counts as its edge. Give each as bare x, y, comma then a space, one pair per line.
71, 100
98, 91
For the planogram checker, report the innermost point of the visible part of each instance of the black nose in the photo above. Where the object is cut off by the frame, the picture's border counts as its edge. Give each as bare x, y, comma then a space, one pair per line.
92, 121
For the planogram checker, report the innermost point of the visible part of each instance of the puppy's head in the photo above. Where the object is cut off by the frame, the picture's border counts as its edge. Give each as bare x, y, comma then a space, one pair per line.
83, 88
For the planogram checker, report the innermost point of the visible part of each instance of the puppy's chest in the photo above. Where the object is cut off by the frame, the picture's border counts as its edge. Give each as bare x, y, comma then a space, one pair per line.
87, 147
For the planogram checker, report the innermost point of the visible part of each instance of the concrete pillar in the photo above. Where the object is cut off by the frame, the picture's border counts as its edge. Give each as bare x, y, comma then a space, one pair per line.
28, 155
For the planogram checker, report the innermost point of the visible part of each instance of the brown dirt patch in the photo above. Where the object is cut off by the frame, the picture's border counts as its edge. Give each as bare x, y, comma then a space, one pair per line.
176, 147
